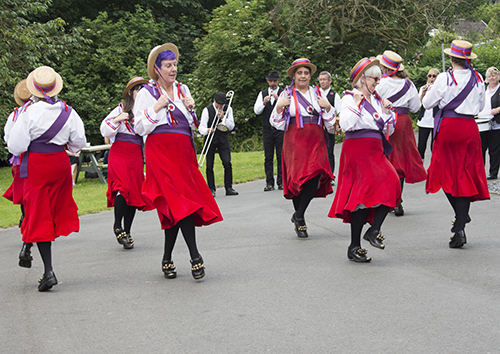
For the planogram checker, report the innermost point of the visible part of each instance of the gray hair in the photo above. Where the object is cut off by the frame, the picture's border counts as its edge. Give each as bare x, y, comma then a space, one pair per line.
325, 73
492, 70
371, 71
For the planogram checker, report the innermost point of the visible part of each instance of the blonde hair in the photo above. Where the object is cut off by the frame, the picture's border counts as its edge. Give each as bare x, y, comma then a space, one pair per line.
492, 70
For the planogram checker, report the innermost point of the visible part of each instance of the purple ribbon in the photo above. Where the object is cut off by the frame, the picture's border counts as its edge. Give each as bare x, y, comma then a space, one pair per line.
401, 93
380, 124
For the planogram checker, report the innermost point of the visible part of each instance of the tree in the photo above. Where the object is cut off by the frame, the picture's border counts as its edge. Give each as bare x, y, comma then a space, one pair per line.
25, 45
115, 52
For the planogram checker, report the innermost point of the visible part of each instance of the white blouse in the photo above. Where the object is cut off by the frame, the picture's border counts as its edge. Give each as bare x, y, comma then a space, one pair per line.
389, 86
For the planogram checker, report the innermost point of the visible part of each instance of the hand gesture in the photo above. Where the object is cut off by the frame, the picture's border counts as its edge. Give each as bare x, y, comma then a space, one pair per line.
387, 105
323, 103
266, 99
162, 102
275, 96
358, 97
188, 102
283, 102
120, 118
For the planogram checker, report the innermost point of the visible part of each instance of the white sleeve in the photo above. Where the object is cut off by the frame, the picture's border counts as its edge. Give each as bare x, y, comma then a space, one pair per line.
349, 113
108, 128
203, 129
145, 118
258, 107
8, 126
230, 119
19, 138
276, 118
435, 92
414, 103
77, 138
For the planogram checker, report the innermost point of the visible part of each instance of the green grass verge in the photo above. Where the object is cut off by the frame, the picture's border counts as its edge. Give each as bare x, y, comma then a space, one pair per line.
90, 194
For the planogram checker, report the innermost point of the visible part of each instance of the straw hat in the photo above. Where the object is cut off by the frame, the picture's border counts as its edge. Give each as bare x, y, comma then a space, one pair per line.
154, 54
299, 63
391, 60
134, 82
44, 80
360, 67
21, 93
460, 49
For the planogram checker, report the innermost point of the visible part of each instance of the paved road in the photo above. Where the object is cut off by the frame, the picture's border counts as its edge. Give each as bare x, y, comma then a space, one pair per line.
266, 291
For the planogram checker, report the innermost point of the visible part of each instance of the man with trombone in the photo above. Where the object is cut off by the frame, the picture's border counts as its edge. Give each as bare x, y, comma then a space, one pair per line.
216, 122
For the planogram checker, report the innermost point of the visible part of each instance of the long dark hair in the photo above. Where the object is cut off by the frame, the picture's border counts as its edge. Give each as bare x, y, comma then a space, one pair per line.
128, 105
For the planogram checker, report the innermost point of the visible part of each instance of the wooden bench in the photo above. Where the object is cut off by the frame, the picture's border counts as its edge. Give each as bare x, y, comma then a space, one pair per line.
94, 153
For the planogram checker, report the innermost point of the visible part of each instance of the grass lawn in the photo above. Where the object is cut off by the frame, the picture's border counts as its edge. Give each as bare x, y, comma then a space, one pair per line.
90, 194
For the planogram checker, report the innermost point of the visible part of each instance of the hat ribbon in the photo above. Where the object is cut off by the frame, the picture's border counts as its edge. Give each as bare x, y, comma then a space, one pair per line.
180, 91
360, 68
44, 91
392, 63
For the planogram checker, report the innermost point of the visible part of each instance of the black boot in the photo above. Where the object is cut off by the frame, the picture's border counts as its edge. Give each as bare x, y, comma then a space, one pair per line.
357, 254
25, 256
399, 211
130, 243
458, 239
375, 238
197, 268
300, 226
169, 269
47, 281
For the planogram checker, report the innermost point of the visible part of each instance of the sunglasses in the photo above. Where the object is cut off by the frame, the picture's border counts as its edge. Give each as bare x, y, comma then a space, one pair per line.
431, 75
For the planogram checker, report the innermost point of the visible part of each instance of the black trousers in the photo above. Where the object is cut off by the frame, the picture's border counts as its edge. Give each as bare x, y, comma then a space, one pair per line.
222, 146
331, 145
423, 136
490, 140
273, 139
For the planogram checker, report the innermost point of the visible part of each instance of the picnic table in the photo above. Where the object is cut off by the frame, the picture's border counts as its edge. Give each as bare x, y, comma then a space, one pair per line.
94, 153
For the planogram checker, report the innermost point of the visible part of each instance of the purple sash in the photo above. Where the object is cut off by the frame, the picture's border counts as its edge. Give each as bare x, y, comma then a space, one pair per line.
153, 91
380, 124
401, 93
40, 144
130, 138
453, 104
304, 103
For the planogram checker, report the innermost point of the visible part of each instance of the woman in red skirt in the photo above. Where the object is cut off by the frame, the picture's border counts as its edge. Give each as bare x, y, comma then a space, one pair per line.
301, 113
368, 185
125, 164
456, 162
44, 130
15, 191
396, 87
164, 111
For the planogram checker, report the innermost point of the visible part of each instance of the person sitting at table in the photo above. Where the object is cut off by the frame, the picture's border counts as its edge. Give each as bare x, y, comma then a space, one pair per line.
125, 164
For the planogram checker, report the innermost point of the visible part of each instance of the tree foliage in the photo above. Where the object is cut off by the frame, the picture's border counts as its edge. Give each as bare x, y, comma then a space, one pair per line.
116, 51
25, 45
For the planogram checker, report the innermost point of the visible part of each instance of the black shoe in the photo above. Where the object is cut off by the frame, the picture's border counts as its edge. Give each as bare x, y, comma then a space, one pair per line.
375, 238
169, 269
491, 177
280, 187
130, 243
300, 226
231, 191
268, 188
398, 211
454, 221
47, 281
121, 236
357, 254
458, 239
197, 268
25, 256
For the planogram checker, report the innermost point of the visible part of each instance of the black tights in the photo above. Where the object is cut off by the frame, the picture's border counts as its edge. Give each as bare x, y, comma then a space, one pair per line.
358, 219
125, 212
188, 231
301, 201
461, 206
46, 253
402, 181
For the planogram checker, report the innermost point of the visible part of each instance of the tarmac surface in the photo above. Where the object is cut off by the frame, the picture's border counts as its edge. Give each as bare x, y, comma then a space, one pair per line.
265, 290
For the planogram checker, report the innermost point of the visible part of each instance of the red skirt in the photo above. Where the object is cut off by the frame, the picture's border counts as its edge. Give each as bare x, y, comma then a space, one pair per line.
405, 158
15, 191
366, 179
174, 184
50, 210
304, 156
457, 162
126, 175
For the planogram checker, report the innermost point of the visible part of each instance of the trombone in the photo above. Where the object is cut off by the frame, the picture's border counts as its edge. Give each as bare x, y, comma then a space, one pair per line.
219, 124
